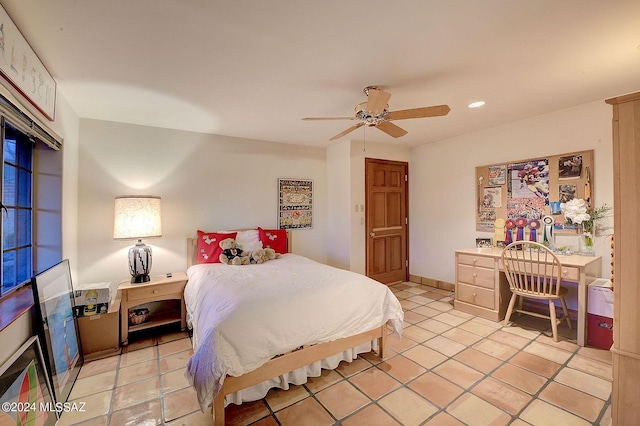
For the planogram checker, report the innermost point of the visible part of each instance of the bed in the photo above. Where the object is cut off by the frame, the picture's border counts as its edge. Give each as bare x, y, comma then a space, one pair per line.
260, 326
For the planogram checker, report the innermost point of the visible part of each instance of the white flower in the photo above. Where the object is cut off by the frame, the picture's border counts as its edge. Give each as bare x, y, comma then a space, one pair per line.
576, 211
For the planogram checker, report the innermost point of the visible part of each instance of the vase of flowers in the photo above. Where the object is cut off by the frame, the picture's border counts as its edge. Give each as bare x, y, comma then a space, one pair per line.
578, 212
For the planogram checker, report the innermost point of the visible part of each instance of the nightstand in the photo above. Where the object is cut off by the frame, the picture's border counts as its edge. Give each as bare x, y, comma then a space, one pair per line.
159, 288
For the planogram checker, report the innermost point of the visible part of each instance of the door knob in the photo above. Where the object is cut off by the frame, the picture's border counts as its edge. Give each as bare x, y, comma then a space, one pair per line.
371, 234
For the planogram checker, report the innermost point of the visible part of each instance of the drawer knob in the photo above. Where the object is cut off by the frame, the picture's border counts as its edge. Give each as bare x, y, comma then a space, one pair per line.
475, 260
155, 291
473, 298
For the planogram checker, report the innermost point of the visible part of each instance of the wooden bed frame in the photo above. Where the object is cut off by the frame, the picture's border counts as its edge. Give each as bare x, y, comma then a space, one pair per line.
289, 361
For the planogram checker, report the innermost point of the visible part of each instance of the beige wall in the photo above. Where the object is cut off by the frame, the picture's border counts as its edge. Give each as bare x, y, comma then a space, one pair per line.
339, 198
67, 125
442, 190
345, 167
14, 336
206, 182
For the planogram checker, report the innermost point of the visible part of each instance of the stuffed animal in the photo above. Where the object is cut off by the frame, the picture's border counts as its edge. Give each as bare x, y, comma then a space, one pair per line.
262, 255
257, 256
270, 254
232, 254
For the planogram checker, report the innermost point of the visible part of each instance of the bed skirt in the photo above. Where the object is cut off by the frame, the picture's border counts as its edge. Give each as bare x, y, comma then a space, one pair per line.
299, 376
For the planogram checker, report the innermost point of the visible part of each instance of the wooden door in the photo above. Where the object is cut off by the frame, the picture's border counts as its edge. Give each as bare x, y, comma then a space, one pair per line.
386, 185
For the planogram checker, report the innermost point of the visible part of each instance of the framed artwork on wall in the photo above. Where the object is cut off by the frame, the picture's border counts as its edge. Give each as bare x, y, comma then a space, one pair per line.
23, 69
25, 391
57, 327
295, 203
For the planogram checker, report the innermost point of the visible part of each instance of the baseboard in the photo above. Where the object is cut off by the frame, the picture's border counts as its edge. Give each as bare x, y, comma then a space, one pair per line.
432, 283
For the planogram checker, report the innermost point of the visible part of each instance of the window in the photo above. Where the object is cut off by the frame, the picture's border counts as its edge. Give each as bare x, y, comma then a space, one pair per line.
17, 209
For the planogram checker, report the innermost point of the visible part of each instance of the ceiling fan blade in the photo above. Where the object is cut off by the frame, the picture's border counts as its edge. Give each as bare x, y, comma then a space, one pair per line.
391, 129
329, 118
377, 101
349, 130
432, 111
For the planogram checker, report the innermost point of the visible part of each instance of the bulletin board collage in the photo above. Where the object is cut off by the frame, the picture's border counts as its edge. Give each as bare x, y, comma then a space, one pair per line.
524, 196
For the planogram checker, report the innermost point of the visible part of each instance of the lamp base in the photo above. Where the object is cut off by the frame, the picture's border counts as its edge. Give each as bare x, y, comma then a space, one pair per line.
140, 279
140, 262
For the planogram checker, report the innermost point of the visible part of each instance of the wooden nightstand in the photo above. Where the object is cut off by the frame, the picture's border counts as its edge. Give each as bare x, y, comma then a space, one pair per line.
160, 288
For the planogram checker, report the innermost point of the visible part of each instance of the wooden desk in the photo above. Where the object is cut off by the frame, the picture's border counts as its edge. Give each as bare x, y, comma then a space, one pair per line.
482, 288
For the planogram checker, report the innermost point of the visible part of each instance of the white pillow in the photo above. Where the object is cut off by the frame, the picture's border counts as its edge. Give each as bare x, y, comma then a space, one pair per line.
249, 240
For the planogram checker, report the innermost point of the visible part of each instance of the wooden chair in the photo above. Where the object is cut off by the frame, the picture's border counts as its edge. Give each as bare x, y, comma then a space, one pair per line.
533, 271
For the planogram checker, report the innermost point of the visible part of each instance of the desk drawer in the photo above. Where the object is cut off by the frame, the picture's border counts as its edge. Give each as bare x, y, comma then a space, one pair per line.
469, 259
477, 276
475, 295
570, 274
156, 292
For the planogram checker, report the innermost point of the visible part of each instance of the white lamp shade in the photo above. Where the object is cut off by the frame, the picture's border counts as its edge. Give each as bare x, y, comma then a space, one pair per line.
137, 216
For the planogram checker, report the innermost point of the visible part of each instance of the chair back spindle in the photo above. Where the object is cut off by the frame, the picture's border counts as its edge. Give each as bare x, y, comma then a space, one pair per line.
532, 268
534, 271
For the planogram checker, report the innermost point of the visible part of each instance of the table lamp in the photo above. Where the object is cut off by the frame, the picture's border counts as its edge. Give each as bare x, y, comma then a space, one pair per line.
137, 217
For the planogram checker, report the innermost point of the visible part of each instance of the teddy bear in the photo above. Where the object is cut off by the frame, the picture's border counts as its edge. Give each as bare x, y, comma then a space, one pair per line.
257, 256
232, 254
269, 254
262, 255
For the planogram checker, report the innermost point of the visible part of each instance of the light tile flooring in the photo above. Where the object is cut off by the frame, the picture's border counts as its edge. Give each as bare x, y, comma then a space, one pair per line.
450, 368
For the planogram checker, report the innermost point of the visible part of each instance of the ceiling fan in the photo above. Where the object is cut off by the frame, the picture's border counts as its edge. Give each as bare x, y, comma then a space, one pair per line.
375, 113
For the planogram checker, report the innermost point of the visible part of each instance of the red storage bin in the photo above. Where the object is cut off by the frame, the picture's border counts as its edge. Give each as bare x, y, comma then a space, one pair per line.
600, 314
599, 331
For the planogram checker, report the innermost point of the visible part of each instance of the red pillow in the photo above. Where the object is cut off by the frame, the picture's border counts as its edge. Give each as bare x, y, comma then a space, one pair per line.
274, 238
209, 246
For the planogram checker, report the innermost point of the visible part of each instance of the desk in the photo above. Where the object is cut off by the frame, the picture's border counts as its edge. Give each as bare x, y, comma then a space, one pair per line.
482, 288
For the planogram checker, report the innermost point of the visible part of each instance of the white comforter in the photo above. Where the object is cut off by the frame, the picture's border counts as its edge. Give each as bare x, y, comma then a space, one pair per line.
242, 316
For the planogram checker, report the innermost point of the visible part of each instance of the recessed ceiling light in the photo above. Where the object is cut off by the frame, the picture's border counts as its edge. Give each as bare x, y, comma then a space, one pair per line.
477, 104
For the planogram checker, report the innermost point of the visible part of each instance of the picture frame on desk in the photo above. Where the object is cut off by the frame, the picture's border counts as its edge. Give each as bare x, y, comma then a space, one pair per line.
58, 328
483, 243
25, 391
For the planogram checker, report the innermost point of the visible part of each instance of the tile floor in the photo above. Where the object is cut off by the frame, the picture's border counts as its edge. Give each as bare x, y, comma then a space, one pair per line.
450, 368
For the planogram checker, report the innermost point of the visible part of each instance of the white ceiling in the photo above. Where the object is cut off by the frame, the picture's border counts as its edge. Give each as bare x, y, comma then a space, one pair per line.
254, 68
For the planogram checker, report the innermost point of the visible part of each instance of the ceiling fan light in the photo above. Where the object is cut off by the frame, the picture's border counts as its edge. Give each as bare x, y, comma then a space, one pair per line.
476, 104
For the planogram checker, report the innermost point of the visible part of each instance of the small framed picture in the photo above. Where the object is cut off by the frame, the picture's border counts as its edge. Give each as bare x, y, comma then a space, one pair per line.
483, 243
25, 391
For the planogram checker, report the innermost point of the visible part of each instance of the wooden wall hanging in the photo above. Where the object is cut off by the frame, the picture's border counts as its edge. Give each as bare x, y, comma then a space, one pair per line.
532, 189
